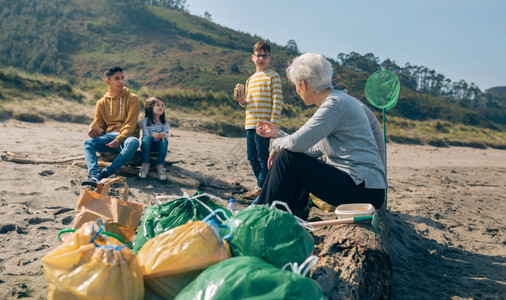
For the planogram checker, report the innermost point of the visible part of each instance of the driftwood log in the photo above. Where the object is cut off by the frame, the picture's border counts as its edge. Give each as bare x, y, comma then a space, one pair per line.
17, 158
136, 160
133, 171
354, 262
174, 174
177, 175
107, 157
79, 161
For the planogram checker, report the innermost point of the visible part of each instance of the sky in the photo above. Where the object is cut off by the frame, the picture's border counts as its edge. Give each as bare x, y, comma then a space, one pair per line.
460, 39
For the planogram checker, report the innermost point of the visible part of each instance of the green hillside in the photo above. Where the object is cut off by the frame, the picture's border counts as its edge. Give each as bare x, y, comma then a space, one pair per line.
188, 60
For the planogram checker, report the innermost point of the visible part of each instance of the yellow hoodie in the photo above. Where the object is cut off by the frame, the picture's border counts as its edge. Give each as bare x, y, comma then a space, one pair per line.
119, 114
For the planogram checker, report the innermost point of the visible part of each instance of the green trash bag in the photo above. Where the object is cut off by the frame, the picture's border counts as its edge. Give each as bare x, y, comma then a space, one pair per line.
271, 234
248, 277
160, 218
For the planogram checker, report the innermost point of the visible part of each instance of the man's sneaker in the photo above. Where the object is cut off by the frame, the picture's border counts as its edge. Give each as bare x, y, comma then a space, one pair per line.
161, 173
104, 174
143, 173
92, 180
253, 193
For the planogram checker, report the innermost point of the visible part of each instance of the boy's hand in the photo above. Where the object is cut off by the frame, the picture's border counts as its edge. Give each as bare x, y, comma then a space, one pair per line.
239, 94
93, 132
267, 129
114, 144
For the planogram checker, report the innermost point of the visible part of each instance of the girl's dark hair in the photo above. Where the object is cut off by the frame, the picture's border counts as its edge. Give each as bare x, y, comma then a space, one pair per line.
148, 110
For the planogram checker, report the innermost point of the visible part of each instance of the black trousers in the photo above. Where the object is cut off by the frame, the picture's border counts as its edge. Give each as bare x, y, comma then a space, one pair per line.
294, 175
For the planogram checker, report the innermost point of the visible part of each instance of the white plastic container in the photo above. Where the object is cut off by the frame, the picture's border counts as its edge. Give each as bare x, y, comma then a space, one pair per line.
354, 210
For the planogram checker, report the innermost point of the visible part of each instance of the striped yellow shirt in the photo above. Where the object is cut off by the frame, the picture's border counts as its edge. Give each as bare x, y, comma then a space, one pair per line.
264, 98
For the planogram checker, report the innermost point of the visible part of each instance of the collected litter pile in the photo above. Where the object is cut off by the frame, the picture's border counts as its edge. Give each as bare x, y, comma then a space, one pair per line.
185, 248
93, 265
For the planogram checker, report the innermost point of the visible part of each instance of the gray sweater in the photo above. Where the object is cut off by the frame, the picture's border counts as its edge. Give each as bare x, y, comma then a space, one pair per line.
154, 128
340, 130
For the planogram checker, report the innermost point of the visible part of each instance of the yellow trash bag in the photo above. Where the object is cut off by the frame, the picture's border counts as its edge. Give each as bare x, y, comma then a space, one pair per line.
90, 265
174, 258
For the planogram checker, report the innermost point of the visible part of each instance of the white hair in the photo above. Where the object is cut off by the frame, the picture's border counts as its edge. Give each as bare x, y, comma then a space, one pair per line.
314, 69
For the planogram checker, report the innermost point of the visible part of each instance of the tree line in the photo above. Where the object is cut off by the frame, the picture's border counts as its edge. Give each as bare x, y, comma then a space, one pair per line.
44, 36
428, 81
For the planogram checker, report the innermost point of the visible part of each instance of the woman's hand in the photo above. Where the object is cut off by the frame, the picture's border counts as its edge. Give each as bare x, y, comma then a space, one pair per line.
271, 158
267, 129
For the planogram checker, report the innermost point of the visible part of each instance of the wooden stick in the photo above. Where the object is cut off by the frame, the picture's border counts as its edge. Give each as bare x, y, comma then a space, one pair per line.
17, 158
103, 164
342, 221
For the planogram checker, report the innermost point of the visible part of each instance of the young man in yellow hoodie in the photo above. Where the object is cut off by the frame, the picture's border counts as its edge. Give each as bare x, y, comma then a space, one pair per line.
115, 127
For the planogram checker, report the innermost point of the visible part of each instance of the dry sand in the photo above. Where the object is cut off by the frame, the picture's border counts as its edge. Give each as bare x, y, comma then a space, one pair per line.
447, 207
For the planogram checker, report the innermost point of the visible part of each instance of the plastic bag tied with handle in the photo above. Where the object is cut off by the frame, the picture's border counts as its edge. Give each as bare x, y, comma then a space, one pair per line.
90, 265
248, 277
172, 259
271, 234
160, 218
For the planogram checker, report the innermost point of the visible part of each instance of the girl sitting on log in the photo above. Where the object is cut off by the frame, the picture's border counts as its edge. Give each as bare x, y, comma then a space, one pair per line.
155, 133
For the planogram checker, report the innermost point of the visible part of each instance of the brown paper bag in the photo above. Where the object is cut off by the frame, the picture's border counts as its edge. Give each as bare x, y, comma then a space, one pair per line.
119, 216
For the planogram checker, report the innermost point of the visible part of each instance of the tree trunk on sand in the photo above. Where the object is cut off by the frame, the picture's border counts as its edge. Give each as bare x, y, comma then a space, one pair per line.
20, 159
133, 171
354, 262
136, 160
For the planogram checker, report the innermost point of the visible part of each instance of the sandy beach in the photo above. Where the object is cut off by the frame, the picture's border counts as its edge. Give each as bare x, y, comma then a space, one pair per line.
447, 206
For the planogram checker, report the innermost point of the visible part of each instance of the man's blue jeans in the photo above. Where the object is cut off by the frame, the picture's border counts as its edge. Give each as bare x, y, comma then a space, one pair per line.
126, 151
258, 153
149, 144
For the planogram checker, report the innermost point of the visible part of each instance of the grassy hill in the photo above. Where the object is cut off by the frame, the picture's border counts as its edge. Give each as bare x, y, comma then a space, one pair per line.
61, 48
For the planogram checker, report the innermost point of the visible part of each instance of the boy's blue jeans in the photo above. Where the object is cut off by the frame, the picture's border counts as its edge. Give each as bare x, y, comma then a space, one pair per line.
150, 144
126, 151
257, 148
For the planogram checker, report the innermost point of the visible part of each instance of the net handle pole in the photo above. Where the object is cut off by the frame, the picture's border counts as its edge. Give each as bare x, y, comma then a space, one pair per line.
385, 141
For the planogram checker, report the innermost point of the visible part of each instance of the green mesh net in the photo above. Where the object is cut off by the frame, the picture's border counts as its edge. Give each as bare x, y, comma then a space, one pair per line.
382, 89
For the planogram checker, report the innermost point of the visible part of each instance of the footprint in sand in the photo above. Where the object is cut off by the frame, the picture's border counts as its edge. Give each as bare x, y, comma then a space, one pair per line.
67, 220
23, 262
62, 210
37, 220
29, 194
41, 247
6, 228
46, 173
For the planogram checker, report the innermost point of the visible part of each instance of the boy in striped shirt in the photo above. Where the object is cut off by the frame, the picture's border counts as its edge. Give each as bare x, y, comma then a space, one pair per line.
263, 100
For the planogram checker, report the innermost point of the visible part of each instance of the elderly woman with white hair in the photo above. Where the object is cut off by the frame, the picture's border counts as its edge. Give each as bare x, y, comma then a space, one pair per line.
353, 171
